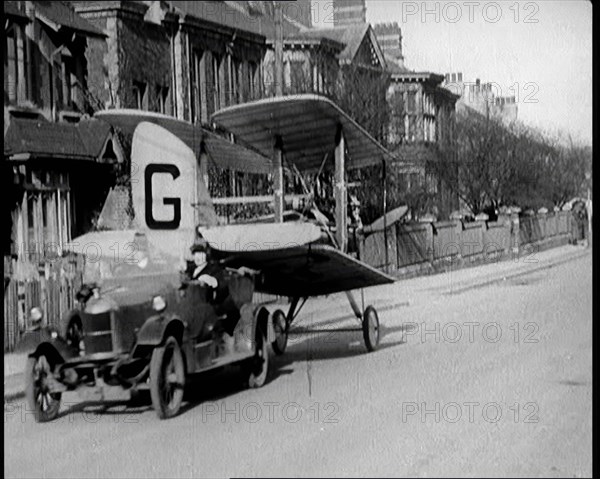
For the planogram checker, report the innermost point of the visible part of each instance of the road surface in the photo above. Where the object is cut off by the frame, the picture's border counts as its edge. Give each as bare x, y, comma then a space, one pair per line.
473, 378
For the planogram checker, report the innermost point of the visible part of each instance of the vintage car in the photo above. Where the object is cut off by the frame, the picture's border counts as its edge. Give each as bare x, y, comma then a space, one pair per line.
143, 323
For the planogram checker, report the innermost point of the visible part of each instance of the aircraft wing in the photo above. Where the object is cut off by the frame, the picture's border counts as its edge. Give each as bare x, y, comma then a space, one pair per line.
305, 270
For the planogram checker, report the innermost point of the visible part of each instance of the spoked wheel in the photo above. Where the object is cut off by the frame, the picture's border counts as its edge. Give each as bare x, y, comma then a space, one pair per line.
44, 404
281, 326
258, 367
370, 327
167, 378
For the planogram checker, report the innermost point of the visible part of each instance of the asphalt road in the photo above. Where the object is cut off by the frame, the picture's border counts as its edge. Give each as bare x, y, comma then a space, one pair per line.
492, 380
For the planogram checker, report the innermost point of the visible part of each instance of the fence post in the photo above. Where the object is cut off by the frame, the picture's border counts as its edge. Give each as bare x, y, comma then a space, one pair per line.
514, 231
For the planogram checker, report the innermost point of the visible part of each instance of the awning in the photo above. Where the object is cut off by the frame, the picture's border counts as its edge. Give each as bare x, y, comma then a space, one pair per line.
225, 154
307, 124
235, 157
28, 138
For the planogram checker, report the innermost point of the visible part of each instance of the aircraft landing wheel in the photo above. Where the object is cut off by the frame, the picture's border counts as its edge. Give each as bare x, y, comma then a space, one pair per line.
370, 328
281, 326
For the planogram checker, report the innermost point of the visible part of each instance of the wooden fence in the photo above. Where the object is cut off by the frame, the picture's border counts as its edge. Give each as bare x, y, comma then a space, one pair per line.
50, 285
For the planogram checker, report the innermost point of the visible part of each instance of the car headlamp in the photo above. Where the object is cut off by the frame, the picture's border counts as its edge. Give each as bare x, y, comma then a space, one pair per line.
36, 314
158, 304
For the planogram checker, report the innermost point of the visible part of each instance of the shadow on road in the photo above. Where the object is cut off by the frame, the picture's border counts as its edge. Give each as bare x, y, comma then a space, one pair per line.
220, 384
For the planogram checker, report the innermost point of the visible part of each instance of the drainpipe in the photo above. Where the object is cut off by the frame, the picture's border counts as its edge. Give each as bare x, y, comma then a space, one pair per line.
174, 73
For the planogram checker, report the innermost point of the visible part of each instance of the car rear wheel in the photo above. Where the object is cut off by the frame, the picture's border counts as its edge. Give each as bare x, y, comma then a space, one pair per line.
257, 368
44, 404
280, 325
370, 327
167, 378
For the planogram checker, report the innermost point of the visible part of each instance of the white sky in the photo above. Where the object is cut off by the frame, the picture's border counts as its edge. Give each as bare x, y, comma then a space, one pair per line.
549, 60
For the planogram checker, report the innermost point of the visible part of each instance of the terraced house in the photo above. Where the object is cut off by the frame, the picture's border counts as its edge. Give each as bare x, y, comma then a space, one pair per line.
51, 147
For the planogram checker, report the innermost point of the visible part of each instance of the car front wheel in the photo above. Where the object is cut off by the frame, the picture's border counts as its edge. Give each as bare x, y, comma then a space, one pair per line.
167, 378
38, 375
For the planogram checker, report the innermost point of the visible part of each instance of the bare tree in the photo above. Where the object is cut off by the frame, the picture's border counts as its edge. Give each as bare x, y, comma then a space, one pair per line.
490, 164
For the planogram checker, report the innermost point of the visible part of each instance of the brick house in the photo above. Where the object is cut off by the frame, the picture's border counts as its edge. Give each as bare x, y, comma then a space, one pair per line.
185, 59
50, 152
422, 116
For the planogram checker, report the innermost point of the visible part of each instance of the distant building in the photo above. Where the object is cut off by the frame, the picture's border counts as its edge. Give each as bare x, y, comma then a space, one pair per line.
389, 36
485, 98
349, 12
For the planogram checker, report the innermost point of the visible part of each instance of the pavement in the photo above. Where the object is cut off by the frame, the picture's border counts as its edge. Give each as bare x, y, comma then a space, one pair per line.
327, 310
480, 372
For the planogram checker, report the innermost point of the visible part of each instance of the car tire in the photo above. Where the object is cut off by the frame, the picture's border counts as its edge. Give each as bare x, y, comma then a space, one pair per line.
370, 328
257, 368
167, 378
281, 327
45, 405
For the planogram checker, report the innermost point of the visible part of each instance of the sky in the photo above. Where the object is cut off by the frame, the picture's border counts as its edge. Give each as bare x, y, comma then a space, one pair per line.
541, 51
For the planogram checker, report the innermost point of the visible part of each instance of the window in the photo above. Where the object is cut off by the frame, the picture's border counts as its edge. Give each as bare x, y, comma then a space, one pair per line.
317, 79
216, 81
162, 99
411, 101
47, 221
252, 80
10, 66
139, 95
68, 78
14, 64
234, 80
297, 77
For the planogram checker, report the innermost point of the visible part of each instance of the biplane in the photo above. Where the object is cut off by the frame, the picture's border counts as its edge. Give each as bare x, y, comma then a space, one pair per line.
300, 132
141, 320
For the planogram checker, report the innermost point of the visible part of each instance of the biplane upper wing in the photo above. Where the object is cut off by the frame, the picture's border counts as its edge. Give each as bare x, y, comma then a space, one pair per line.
305, 270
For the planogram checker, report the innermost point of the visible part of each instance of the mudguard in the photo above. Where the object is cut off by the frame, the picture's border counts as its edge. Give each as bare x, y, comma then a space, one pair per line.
33, 338
153, 330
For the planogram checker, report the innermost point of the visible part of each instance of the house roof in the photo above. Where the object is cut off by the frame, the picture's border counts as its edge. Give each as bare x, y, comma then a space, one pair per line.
60, 14
351, 36
43, 139
410, 75
223, 14
14, 9
392, 65
222, 152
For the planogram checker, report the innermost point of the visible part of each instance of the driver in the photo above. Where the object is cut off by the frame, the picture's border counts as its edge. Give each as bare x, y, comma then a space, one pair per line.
206, 270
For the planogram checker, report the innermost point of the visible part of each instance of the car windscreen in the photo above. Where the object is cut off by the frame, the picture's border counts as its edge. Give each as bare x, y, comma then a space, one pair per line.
136, 261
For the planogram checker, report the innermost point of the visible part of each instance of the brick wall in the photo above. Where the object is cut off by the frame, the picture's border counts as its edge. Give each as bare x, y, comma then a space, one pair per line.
134, 51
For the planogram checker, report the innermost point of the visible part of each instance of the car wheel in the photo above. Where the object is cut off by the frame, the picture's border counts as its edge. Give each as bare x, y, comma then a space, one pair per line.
281, 326
370, 327
44, 404
167, 378
257, 368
